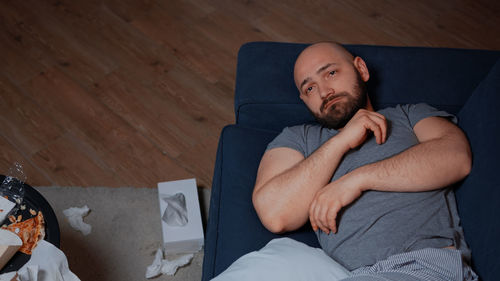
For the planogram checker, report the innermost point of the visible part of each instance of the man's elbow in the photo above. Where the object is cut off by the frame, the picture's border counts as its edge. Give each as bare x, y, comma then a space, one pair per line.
274, 225
268, 217
464, 162
460, 153
466, 166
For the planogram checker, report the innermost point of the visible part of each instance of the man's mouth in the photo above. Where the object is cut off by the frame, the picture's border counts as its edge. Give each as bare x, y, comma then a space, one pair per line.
331, 101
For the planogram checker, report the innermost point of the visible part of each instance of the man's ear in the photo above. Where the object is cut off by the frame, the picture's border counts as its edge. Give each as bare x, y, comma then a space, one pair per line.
301, 97
360, 65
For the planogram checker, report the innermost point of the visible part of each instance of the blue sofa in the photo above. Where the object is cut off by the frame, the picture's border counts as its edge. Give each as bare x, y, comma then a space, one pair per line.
462, 82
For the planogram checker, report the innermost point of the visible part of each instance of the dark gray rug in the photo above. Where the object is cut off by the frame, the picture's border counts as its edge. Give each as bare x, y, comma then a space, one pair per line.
126, 232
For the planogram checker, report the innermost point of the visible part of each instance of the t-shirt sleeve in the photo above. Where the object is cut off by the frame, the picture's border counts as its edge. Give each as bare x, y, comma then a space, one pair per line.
417, 112
291, 137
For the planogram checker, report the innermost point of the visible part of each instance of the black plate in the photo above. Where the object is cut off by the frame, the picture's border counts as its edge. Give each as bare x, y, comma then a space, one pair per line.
34, 200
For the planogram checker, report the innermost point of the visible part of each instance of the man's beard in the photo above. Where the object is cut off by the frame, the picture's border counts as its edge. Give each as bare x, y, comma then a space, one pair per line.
340, 113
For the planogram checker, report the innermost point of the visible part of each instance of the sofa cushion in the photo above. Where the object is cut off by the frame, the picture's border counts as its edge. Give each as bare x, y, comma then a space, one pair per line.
234, 228
479, 194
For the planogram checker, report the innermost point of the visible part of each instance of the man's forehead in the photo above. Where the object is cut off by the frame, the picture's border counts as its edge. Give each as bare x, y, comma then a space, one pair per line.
314, 59
322, 52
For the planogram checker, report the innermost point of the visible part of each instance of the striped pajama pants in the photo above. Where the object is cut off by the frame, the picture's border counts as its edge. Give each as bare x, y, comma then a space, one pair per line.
428, 264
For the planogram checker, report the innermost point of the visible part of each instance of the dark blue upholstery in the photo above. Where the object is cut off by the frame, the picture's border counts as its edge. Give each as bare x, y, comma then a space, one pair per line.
479, 194
266, 100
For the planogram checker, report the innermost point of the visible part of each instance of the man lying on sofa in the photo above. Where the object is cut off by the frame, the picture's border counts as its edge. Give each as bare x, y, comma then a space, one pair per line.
371, 183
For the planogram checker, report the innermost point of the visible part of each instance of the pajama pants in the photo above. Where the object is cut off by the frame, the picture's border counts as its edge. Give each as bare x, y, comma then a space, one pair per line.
427, 264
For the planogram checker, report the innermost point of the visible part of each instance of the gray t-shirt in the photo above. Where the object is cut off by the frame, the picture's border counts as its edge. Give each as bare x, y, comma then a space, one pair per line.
379, 224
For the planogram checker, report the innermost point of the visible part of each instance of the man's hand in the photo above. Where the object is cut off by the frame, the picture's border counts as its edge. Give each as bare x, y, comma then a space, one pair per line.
330, 199
357, 129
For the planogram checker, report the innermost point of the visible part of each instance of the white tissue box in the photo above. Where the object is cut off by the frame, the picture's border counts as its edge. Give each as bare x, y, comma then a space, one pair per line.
188, 238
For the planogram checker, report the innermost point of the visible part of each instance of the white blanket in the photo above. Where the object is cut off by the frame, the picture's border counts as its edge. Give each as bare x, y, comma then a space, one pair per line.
284, 259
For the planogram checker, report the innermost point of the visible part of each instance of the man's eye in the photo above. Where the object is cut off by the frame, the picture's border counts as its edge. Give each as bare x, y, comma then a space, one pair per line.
309, 89
332, 72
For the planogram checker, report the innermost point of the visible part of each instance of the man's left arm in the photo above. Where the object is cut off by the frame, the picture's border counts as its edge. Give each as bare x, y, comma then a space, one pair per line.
442, 157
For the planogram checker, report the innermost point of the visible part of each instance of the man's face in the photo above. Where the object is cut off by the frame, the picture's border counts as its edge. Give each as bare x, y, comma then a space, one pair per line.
330, 85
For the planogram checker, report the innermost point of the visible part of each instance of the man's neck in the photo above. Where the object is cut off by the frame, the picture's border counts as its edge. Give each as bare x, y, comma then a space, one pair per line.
369, 106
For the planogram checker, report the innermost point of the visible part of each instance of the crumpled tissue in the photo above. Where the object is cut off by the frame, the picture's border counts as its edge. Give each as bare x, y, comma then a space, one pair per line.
75, 217
47, 263
164, 266
176, 212
9, 276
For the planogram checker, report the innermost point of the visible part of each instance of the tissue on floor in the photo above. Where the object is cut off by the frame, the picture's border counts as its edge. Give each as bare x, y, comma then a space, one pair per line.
165, 266
75, 217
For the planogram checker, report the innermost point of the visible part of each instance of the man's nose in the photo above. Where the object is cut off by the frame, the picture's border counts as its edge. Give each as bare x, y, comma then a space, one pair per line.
325, 91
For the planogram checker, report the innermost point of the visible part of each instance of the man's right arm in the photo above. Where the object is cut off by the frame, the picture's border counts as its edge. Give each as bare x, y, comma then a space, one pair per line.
287, 182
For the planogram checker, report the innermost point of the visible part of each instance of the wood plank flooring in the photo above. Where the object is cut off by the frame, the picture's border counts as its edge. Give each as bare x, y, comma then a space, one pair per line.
133, 92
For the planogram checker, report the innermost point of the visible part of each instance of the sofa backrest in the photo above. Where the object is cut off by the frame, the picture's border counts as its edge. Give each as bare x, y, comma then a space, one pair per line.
266, 96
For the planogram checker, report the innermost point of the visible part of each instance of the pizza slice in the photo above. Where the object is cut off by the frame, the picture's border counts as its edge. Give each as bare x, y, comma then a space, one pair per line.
30, 231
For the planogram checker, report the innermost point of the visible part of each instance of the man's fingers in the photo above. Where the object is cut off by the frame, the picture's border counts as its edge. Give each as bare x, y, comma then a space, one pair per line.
377, 123
312, 218
375, 128
382, 123
332, 217
317, 216
323, 219
378, 115
320, 213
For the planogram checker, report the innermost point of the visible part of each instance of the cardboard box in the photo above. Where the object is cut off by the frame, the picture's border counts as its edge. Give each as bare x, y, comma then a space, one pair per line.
188, 238
5, 207
9, 244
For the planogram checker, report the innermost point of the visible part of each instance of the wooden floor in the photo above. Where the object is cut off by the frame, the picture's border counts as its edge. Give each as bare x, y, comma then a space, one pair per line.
130, 93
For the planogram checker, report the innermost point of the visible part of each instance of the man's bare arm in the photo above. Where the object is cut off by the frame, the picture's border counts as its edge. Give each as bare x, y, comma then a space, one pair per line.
287, 183
441, 158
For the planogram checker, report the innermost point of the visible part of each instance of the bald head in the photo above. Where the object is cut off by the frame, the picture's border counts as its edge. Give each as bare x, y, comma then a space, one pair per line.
323, 51
328, 45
